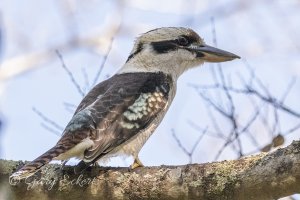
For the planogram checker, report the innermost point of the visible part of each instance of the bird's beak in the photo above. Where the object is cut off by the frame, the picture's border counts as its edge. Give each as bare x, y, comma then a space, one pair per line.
212, 54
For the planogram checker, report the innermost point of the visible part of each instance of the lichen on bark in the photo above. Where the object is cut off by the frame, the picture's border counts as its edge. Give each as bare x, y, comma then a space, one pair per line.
262, 176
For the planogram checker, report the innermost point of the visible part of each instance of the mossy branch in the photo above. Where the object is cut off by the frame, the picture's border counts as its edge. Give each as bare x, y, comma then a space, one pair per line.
262, 176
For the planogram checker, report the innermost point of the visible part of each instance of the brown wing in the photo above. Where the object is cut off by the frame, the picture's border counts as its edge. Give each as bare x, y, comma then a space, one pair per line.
118, 109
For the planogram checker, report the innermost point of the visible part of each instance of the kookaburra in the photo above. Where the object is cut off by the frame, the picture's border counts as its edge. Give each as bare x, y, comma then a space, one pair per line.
119, 114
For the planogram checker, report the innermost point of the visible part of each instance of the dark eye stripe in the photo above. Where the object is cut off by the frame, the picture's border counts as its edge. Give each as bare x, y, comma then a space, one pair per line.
171, 45
164, 46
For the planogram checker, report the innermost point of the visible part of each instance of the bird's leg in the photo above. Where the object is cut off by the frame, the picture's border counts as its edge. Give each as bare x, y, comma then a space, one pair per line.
136, 163
96, 164
63, 163
61, 168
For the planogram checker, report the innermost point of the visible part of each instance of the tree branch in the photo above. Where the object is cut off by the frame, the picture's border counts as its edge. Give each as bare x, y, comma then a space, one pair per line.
262, 176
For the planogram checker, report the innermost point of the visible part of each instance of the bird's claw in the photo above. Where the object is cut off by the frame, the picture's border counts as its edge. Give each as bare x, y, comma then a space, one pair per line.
136, 163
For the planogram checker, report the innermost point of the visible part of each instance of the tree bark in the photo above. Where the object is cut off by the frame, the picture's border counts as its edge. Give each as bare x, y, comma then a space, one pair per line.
262, 176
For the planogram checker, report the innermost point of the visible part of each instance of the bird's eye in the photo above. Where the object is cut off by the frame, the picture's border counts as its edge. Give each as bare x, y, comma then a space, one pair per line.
182, 41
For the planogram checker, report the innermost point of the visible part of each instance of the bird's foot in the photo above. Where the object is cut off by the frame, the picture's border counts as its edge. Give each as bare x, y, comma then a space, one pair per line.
136, 163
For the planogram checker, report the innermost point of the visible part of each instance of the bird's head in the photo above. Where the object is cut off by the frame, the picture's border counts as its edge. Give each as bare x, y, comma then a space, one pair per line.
172, 50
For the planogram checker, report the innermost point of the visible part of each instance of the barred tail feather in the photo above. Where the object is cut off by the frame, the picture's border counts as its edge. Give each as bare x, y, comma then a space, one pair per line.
34, 166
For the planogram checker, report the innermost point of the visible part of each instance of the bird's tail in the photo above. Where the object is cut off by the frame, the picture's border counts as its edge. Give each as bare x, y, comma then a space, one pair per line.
32, 167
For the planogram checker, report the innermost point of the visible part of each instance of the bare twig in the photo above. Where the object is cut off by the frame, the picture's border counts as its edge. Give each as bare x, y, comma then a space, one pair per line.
191, 152
47, 120
70, 107
98, 73
69, 73
185, 151
265, 97
288, 89
226, 107
200, 129
48, 128
86, 80
292, 130
106, 54
213, 31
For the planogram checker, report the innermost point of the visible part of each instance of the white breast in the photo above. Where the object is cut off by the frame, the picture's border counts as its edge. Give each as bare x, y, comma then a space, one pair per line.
133, 146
